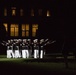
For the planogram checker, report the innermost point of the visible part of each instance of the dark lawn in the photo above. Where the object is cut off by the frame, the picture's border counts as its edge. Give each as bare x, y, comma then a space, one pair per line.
22, 67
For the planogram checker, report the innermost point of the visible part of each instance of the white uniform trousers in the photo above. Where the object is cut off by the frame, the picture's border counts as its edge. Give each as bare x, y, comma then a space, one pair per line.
25, 54
41, 54
36, 53
10, 54
17, 54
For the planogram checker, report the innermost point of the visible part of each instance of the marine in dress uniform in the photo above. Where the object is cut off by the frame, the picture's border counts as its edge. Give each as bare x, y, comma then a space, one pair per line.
10, 53
25, 50
36, 48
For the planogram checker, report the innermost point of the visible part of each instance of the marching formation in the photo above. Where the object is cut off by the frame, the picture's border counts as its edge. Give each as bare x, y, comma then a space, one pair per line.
26, 48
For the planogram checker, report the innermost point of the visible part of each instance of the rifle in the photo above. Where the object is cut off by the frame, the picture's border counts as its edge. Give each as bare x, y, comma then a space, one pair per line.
46, 42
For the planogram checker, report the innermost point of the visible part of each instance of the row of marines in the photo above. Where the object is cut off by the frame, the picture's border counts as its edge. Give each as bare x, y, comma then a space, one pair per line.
26, 48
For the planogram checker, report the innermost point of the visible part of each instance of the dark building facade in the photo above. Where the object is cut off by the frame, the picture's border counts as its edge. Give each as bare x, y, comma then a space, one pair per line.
33, 19
26, 19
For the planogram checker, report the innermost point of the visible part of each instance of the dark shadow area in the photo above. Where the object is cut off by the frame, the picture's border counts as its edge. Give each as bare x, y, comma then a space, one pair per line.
62, 29
29, 68
3, 37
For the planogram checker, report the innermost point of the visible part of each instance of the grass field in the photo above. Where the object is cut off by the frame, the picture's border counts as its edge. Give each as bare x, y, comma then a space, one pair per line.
32, 66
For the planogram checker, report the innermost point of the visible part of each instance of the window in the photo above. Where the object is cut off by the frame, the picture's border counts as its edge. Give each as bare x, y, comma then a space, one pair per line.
14, 30
25, 30
40, 12
5, 24
21, 12
5, 12
34, 28
32, 12
48, 13
13, 11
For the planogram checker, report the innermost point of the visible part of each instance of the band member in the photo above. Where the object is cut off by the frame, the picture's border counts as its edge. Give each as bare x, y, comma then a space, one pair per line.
36, 48
25, 48
10, 53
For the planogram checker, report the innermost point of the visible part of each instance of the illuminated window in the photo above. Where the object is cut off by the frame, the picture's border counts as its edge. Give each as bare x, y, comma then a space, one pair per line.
25, 29
40, 12
21, 12
14, 30
13, 11
5, 24
34, 28
5, 12
48, 13
32, 12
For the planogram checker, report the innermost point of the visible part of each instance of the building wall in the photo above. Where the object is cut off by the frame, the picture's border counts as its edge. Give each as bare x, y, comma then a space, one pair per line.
13, 16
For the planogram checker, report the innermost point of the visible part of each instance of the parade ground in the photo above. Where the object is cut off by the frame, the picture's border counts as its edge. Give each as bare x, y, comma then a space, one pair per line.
31, 66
